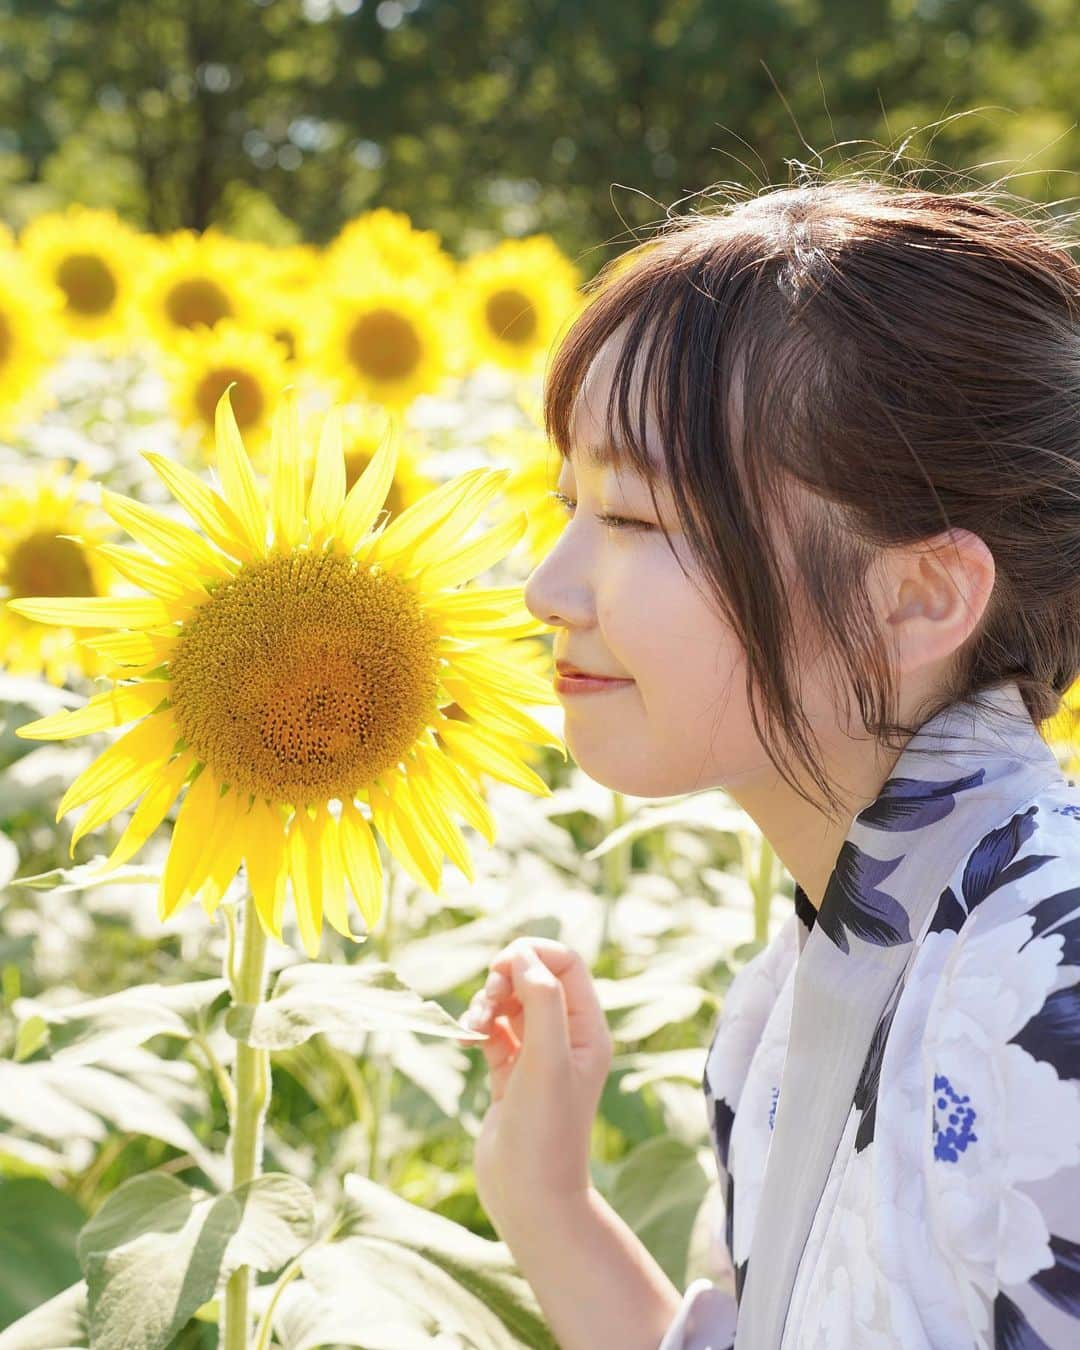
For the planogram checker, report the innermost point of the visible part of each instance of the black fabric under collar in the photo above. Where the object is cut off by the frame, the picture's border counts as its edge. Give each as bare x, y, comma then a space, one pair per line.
803, 908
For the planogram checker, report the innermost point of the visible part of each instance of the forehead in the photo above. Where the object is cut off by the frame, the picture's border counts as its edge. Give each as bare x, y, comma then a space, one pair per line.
593, 440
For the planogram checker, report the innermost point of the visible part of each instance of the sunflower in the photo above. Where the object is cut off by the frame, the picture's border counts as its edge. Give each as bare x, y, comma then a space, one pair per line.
1062, 731
30, 337
535, 469
46, 539
516, 298
93, 258
201, 367
364, 429
191, 280
385, 241
386, 340
290, 670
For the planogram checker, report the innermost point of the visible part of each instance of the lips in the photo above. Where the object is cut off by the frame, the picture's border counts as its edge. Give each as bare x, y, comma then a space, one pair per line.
570, 672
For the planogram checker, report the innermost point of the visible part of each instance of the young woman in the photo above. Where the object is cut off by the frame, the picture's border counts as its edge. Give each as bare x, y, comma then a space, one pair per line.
821, 455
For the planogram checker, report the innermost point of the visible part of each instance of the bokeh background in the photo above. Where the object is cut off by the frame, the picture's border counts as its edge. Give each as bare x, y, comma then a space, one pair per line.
392, 205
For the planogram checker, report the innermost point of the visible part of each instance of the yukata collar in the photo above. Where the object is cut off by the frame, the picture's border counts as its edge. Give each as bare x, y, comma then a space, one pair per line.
975, 746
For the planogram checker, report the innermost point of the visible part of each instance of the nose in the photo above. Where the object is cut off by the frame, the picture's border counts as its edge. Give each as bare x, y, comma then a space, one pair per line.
557, 591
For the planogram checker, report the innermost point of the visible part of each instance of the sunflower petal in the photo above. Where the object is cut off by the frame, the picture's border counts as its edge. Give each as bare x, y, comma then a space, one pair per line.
333, 874
136, 650
367, 497
459, 789
152, 810
485, 752
238, 477
498, 674
412, 850
151, 739
95, 611
303, 848
432, 814
171, 540
447, 535
110, 709
121, 794
287, 475
225, 849
502, 715
264, 856
327, 495
505, 627
188, 861
362, 864
172, 585
215, 517
411, 526
471, 559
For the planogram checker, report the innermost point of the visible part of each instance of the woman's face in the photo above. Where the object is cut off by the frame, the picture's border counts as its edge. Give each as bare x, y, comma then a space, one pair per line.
622, 606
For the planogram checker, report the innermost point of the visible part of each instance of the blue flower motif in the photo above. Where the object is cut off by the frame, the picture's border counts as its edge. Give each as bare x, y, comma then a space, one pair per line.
953, 1135
853, 901
772, 1109
1072, 809
992, 864
912, 803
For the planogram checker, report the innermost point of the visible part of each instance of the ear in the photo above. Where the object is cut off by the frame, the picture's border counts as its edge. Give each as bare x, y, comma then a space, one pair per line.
935, 594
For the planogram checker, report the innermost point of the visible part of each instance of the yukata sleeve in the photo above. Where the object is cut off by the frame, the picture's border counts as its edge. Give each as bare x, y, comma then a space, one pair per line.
1002, 1066
705, 1320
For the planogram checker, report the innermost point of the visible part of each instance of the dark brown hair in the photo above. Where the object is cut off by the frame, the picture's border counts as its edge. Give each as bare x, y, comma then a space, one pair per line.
909, 362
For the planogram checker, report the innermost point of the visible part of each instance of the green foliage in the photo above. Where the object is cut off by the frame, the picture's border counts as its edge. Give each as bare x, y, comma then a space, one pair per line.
39, 1258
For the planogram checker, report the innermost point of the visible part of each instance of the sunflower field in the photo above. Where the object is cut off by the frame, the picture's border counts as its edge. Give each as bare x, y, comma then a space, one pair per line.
266, 519
265, 671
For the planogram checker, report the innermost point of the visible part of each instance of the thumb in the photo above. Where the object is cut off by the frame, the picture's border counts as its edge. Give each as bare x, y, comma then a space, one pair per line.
546, 1042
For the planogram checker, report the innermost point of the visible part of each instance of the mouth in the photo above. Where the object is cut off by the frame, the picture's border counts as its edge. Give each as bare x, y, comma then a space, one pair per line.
569, 680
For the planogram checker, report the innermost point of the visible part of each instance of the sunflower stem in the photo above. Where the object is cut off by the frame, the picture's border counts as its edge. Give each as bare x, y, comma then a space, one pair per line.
616, 865
251, 1092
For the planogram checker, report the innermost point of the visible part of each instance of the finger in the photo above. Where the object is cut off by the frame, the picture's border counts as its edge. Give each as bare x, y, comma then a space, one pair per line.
585, 1017
545, 1047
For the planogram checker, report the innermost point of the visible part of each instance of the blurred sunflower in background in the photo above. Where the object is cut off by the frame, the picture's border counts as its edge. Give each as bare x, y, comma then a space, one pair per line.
291, 667
1062, 732
191, 280
94, 259
38, 557
30, 338
365, 427
516, 298
387, 241
534, 464
202, 366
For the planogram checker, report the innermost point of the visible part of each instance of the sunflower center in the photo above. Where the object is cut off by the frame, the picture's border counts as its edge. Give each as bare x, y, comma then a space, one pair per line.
44, 564
246, 397
305, 676
5, 340
511, 316
197, 300
384, 345
87, 282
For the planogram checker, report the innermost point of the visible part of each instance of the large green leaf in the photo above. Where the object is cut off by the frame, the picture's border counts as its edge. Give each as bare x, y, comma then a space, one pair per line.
83, 1033
658, 1189
312, 997
156, 1251
86, 875
398, 1276
59, 1324
38, 1228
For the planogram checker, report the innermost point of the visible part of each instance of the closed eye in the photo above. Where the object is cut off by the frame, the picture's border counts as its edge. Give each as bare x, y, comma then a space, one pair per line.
612, 522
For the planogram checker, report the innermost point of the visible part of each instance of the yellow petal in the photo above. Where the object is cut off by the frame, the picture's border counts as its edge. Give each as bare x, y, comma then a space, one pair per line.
333, 874
238, 478
500, 714
111, 709
406, 841
305, 870
95, 611
362, 864
188, 860
411, 526
328, 482
286, 475
485, 752
173, 585
367, 497
152, 810
171, 540
502, 676
432, 815
484, 602
505, 627
264, 857
458, 788
470, 560
447, 536
137, 650
215, 517
225, 849
151, 739
121, 794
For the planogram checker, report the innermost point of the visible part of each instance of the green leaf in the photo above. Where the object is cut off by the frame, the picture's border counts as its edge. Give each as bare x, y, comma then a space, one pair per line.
398, 1276
60, 1324
31, 1036
87, 874
653, 1065
311, 997
658, 1189
39, 1256
83, 1033
700, 811
156, 1251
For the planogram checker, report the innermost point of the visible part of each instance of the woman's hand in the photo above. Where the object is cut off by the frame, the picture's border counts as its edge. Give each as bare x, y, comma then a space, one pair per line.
549, 1052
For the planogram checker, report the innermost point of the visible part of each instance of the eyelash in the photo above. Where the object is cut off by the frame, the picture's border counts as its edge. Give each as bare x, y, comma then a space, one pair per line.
612, 522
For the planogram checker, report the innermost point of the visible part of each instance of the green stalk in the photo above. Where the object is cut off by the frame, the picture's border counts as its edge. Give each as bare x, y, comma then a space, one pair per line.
763, 891
616, 864
251, 1077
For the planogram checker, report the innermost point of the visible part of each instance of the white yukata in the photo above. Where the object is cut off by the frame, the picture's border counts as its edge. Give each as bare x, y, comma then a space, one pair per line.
893, 1088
